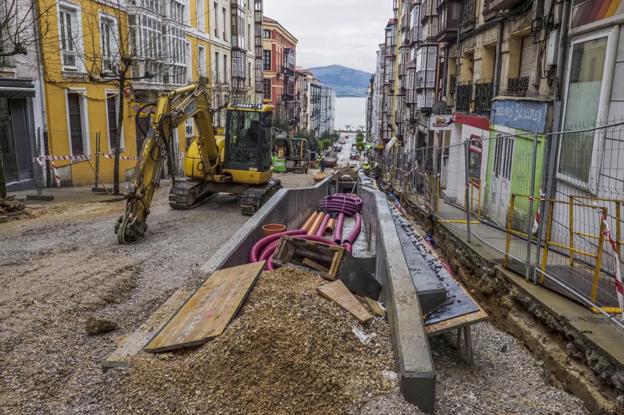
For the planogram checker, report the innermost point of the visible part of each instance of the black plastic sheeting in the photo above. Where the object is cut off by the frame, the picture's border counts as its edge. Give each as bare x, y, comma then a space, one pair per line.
458, 302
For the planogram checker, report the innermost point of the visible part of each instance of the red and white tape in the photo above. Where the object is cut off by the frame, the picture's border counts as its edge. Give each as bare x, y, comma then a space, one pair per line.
82, 157
619, 286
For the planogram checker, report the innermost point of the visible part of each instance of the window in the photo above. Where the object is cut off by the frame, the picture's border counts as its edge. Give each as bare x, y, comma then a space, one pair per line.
217, 77
590, 71
177, 11
110, 42
225, 69
201, 60
69, 27
266, 60
76, 121
216, 19
224, 12
112, 114
201, 16
267, 89
266, 34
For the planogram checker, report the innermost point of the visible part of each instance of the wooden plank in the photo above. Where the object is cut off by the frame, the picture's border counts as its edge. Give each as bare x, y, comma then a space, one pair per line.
457, 322
375, 307
340, 294
207, 313
132, 344
314, 265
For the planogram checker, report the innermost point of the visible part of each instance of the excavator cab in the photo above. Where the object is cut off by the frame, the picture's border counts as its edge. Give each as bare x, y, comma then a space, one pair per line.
248, 143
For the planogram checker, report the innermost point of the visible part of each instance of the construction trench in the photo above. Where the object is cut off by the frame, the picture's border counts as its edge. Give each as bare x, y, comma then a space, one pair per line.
291, 350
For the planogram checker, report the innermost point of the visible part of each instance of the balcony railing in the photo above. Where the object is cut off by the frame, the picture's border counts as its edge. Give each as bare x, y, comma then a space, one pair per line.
469, 17
518, 87
464, 96
484, 92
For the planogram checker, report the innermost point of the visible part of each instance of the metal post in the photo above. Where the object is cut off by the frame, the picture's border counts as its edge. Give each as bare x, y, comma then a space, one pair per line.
434, 189
531, 206
596, 278
508, 237
97, 160
467, 186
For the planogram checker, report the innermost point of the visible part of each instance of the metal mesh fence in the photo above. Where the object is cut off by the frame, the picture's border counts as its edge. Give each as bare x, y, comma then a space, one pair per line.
549, 204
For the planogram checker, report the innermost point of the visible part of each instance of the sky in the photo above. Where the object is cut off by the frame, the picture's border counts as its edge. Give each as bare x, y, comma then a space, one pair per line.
334, 32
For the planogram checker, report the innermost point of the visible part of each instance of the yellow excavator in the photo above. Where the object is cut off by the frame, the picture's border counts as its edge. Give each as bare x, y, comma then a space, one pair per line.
239, 162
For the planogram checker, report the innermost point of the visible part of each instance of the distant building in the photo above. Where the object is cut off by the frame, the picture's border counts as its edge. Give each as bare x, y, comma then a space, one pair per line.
279, 61
315, 105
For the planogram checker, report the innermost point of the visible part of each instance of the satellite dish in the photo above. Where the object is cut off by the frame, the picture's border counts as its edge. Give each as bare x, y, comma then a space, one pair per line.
439, 108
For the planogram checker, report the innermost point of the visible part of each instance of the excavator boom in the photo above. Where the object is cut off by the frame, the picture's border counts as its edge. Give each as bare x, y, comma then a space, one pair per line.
172, 109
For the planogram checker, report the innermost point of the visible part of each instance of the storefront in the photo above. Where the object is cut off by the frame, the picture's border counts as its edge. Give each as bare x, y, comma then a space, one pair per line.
17, 133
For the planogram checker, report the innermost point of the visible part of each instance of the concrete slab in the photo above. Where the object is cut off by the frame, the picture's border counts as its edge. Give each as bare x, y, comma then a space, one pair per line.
411, 346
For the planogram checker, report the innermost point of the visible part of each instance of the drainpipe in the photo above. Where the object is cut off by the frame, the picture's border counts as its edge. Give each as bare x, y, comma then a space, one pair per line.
498, 61
536, 27
562, 48
43, 146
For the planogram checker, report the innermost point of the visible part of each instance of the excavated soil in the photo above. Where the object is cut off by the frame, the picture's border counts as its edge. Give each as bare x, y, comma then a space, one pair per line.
290, 351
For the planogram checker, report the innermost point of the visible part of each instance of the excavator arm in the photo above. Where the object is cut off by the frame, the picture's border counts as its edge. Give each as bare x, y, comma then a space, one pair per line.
172, 109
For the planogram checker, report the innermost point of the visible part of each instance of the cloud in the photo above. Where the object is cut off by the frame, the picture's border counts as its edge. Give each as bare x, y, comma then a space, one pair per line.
342, 32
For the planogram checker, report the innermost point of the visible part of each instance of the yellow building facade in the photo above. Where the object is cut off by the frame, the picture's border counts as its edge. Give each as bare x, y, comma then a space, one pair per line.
84, 43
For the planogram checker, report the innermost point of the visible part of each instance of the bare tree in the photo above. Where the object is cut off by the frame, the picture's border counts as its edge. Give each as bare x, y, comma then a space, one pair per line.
17, 20
111, 51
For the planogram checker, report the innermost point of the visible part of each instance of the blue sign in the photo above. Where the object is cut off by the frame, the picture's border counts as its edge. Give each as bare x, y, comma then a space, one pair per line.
524, 115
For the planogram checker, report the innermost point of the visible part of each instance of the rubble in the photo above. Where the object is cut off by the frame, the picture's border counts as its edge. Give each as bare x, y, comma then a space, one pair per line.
289, 351
95, 326
11, 207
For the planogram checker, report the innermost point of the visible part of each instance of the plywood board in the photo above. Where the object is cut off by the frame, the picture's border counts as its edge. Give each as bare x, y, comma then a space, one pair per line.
206, 314
455, 323
340, 294
132, 344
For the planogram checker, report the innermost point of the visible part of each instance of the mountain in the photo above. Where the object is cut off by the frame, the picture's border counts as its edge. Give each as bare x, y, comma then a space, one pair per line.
347, 82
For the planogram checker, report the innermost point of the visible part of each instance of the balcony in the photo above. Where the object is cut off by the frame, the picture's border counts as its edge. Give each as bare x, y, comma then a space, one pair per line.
469, 18
449, 12
495, 5
518, 87
464, 96
488, 12
484, 91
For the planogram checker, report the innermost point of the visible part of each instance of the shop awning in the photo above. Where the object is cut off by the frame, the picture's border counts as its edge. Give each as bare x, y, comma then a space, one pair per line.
16, 88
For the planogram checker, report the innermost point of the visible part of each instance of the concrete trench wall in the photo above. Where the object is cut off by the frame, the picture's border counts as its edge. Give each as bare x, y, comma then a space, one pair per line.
411, 347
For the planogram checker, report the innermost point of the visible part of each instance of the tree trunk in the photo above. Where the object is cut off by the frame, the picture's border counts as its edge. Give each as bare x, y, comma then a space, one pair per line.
2, 183
117, 140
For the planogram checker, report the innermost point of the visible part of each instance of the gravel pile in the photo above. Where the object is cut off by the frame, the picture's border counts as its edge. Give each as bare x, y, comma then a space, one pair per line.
290, 351
505, 379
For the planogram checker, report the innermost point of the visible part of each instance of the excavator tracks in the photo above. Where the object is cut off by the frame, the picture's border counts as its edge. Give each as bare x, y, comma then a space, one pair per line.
253, 199
187, 194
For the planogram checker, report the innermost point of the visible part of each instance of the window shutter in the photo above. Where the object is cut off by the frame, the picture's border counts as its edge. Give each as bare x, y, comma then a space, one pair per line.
528, 56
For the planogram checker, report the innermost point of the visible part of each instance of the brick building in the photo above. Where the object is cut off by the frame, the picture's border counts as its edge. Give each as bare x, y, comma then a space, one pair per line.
279, 60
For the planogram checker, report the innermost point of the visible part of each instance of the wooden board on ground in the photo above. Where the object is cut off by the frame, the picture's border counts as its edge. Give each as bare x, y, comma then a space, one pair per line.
132, 344
322, 259
375, 307
340, 294
456, 322
207, 313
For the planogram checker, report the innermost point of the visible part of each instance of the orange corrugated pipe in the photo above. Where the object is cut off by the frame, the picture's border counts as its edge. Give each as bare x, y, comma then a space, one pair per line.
329, 228
316, 224
308, 223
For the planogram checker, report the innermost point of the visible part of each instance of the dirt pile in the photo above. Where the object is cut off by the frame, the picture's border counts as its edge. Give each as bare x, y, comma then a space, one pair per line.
289, 351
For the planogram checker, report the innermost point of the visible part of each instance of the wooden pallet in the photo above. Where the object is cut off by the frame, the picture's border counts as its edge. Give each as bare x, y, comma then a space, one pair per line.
315, 257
